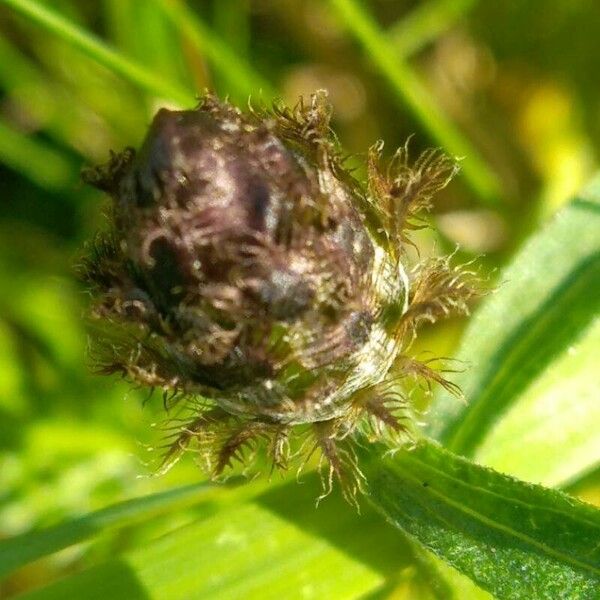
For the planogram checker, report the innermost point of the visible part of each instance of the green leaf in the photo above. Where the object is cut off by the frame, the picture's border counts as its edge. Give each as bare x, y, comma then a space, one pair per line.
556, 420
58, 25
277, 546
140, 30
411, 92
242, 79
20, 550
35, 159
426, 23
430, 578
514, 539
528, 351
231, 19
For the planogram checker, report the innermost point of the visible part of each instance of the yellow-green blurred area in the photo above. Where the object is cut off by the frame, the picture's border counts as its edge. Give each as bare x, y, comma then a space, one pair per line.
513, 83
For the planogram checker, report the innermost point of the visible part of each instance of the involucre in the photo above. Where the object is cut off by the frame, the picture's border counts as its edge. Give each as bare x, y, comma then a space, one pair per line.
248, 275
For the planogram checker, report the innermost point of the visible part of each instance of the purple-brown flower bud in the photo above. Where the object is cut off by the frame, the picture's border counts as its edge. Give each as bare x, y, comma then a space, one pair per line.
245, 265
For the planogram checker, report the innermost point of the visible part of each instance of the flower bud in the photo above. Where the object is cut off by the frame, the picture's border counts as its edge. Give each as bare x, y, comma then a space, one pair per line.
246, 267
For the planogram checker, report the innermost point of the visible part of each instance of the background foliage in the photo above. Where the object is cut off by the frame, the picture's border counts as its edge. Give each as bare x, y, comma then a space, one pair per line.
508, 86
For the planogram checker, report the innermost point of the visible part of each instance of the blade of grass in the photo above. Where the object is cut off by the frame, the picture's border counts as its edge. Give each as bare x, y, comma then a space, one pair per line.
15, 69
35, 160
87, 43
119, 24
242, 79
140, 30
20, 550
556, 419
425, 23
275, 546
41, 89
521, 333
412, 94
231, 20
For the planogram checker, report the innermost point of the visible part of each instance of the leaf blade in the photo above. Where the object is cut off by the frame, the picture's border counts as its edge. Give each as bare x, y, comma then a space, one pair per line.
275, 546
34, 159
58, 25
411, 92
556, 419
514, 539
22, 549
550, 299
242, 79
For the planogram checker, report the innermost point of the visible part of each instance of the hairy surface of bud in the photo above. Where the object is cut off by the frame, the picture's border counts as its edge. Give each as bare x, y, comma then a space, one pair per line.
245, 266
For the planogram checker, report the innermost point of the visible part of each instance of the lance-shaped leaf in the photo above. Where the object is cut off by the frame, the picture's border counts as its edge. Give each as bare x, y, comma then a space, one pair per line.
276, 546
550, 435
514, 539
520, 345
22, 549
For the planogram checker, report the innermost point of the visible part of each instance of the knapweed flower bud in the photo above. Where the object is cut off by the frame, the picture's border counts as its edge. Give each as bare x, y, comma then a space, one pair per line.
246, 273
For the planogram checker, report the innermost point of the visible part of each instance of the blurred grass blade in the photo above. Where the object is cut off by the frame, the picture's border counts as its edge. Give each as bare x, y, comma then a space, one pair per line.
42, 94
519, 342
35, 160
20, 550
15, 69
514, 539
140, 30
232, 21
425, 23
412, 94
278, 546
56, 24
556, 420
241, 78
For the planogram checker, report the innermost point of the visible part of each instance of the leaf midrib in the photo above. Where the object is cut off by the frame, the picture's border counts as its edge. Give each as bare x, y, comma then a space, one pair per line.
494, 524
561, 513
